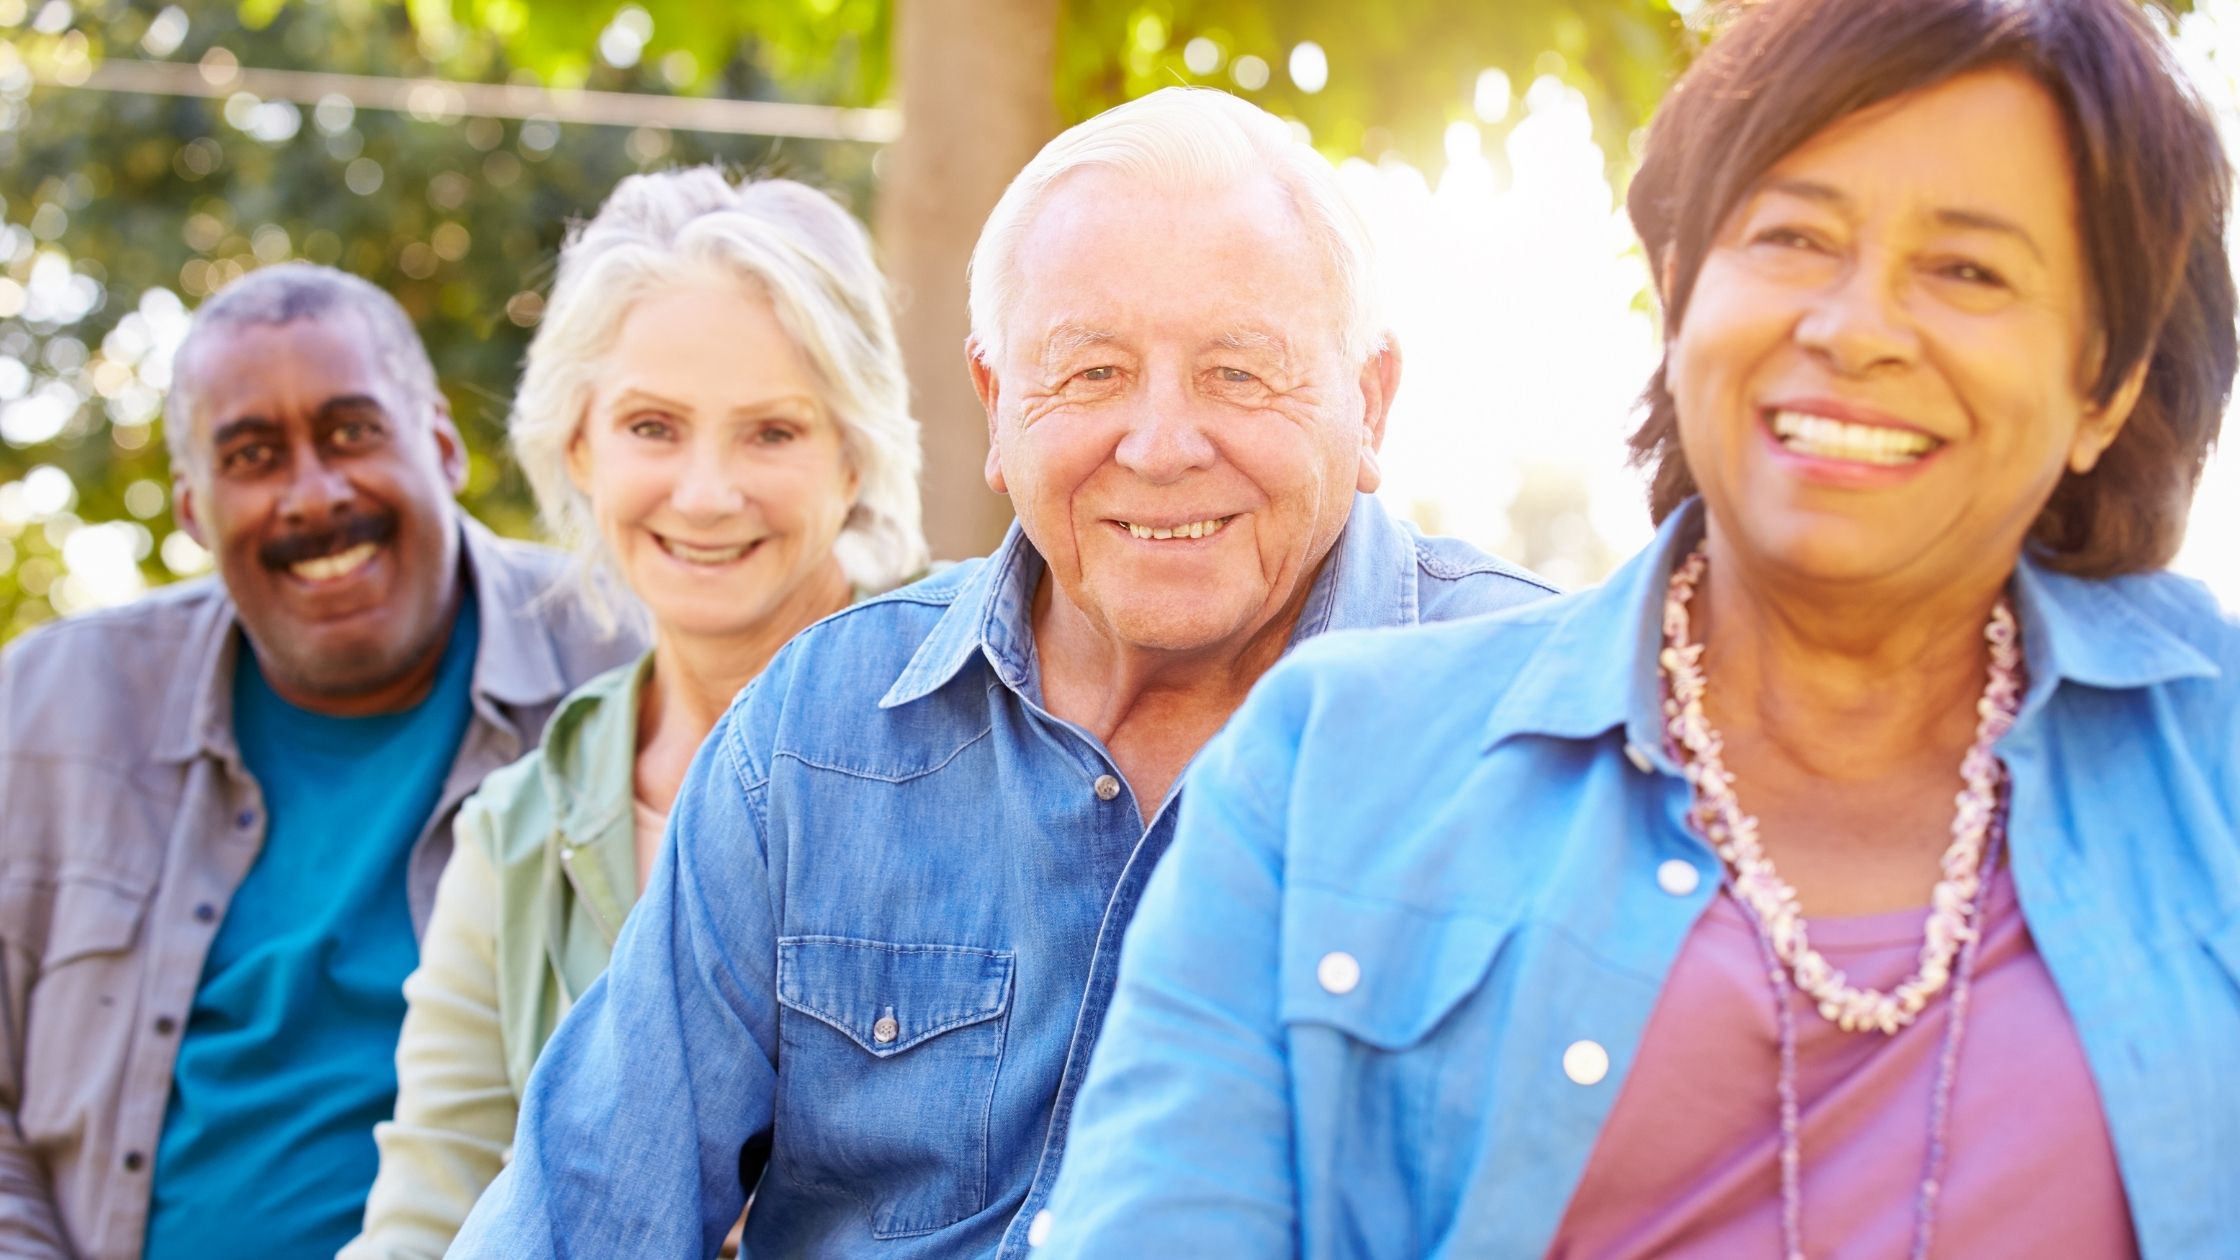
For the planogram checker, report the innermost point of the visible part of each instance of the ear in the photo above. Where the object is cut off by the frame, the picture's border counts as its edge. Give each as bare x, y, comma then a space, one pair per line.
2098, 428
183, 508
989, 388
1380, 380
451, 451
579, 462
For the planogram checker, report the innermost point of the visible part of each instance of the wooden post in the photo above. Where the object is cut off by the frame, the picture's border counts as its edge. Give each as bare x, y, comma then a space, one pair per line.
977, 101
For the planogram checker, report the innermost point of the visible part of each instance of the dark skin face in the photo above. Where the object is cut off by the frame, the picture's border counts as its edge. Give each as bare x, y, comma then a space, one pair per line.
324, 489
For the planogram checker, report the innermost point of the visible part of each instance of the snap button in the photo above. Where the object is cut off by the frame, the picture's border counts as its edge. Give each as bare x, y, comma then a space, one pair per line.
1338, 972
885, 1030
1639, 757
1585, 1062
567, 853
1107, 787
1038, 1229
1678, 876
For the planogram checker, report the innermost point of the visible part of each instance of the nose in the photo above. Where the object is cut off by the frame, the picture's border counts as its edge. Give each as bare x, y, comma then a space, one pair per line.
1858, 324
315, 491
705, 491
1166, 437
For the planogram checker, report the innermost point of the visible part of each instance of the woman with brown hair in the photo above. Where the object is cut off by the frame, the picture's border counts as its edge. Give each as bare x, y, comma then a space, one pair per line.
1857, 873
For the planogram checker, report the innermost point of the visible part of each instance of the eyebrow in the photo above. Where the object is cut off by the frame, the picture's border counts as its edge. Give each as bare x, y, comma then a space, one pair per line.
1950, 216
1066, 339
1253, 339
245, 426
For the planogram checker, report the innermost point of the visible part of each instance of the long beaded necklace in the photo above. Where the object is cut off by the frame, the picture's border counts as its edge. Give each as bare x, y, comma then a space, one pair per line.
1952, 932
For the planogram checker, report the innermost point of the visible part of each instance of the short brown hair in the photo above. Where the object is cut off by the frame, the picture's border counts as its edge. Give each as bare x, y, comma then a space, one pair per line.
2152, 190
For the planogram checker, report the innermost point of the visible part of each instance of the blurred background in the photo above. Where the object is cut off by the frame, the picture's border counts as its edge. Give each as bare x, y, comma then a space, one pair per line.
151, 153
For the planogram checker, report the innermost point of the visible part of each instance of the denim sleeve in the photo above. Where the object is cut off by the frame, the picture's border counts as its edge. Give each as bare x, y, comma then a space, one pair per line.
1181, 1143
653, 1098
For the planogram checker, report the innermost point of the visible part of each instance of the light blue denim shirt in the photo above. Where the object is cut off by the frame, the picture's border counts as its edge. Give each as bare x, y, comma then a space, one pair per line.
1418, 867
880, 939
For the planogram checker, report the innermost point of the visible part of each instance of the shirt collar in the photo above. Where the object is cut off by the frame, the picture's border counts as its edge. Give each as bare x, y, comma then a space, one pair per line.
2093, 632
516, 662
1368, 580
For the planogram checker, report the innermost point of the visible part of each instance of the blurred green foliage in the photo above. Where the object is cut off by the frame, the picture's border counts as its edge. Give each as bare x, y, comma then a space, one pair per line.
120, 194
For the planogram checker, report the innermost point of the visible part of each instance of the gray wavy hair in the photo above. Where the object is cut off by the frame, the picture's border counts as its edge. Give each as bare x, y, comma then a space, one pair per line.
786, 240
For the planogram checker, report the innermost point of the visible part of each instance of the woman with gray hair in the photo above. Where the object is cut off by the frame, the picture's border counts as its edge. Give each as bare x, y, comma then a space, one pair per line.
714, 417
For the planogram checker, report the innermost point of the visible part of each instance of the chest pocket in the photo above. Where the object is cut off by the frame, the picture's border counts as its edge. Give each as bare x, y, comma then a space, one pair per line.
888, 1056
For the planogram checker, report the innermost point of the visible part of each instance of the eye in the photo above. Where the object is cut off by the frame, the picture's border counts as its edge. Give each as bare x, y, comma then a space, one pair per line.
1972, 273
249, 458
1235, 376
1098, 373
354, 433
1786, 238
775, 434
650, 427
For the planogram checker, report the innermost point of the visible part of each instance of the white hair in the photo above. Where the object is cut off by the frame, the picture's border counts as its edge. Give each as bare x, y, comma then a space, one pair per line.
813, 261
1189, 139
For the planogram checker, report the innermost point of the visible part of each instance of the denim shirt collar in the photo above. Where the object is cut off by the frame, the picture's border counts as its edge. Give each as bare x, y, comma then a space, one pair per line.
1368, 580
2085, 631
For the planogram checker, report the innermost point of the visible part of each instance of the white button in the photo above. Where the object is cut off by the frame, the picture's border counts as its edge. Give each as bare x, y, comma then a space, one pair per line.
1107, 787
1678, 876
1038, 1229
885, 1030
1338, 971
568, 853
1585, 1062
1639, 758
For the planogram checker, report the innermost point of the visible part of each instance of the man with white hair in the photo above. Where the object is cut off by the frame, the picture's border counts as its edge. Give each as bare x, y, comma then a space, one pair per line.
870, 965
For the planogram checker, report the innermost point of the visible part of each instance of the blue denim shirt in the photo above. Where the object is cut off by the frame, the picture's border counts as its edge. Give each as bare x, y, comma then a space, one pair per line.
879, 942
1417, 867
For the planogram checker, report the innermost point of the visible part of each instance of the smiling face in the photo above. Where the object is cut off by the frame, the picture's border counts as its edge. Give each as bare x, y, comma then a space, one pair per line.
1172, 413
716, 476
323, 487
1885, 363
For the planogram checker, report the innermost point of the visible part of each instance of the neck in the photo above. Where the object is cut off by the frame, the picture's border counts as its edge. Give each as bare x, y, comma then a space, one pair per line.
695, 678
1095, 679
1846, 682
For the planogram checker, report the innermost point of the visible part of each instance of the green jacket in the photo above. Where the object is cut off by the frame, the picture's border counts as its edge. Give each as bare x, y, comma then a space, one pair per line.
543, 871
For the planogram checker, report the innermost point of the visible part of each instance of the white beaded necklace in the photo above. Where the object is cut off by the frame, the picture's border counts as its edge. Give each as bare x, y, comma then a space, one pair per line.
1771, 904
1734, 833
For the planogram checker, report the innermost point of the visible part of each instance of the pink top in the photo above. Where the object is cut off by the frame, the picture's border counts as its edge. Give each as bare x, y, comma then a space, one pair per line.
1688, 1164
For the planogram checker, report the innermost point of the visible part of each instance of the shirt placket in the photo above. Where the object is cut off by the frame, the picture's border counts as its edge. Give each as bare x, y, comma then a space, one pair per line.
224, 801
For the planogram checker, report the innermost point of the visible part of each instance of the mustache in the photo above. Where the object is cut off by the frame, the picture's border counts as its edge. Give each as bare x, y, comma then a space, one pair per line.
338, 535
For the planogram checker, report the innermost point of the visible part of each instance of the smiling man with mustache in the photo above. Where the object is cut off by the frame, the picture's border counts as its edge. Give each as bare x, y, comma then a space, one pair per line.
227, 805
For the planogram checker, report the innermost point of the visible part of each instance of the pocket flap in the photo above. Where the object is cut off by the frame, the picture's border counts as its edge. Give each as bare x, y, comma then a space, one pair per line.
70, 918
887, 998
1381, 972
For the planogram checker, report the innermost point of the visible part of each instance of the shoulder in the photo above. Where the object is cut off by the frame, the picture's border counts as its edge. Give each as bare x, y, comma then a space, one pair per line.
510, 815
104, 675
825, 686
1458, 579
1362, 690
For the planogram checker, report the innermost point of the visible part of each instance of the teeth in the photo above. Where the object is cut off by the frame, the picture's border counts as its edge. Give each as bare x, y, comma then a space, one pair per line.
327, 568
703, 555
1195, 529
1860, 443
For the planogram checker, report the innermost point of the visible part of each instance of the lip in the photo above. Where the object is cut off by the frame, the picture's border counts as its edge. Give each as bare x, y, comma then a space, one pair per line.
662, 541
1843, 473
1119, 525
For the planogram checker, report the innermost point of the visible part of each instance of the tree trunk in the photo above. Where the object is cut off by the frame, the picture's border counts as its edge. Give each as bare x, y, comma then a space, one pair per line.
976, 87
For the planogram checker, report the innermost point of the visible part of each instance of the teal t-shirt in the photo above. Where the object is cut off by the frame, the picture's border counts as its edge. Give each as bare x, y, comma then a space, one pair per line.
288, 1057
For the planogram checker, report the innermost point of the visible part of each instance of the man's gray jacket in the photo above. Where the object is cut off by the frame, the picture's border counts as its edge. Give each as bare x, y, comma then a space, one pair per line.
127, 820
